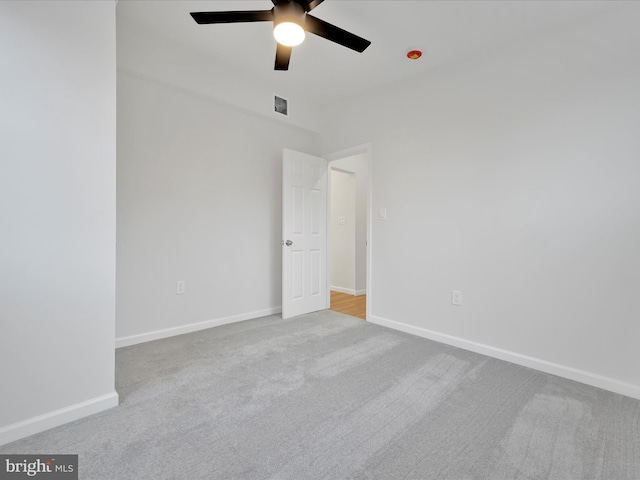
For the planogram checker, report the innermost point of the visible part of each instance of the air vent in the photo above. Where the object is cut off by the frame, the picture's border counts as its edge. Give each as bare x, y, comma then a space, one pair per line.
281, 106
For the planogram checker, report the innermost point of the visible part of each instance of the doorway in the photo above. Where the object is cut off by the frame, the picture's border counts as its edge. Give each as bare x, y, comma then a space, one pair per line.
349, 232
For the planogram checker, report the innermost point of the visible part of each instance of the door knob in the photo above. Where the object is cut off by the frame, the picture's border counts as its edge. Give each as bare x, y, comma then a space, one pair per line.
288, 243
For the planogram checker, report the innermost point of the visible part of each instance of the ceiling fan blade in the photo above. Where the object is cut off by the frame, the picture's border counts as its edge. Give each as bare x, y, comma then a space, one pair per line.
233, 17
331, 32
311, 4
283, 55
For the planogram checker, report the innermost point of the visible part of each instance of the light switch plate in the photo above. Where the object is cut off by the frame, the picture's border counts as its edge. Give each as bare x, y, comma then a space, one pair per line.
456, 297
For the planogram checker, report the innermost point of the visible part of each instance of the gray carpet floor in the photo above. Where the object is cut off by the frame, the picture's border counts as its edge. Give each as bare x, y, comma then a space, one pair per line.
326, 396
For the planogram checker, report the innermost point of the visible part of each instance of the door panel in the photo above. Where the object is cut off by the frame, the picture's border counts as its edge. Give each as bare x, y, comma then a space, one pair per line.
304, 233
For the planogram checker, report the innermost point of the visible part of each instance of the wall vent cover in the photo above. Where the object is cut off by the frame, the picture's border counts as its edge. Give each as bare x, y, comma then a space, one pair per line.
281, 105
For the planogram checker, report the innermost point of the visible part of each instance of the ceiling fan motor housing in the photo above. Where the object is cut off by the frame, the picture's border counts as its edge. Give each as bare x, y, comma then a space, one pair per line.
286, 11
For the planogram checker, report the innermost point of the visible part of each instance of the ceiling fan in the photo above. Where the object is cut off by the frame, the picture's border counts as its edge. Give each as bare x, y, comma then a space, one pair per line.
291, 20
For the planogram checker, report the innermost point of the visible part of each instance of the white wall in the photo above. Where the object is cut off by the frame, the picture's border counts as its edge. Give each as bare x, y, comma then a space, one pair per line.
514, 178
57, 211
199, 200
199, 188
146, 54
343, 232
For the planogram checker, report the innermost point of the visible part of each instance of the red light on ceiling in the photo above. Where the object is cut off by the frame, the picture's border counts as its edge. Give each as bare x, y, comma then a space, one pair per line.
414, 54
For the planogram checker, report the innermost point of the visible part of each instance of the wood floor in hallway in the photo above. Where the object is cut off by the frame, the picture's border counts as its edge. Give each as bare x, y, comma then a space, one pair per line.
356, 306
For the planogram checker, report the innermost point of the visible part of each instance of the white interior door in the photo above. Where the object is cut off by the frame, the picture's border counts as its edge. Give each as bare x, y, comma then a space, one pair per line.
304, 233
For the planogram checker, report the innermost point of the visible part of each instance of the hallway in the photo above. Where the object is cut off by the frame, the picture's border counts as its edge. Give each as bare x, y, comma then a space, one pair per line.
356, 306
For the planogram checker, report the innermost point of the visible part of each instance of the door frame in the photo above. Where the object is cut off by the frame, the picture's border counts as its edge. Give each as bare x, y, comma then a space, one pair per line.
366, 150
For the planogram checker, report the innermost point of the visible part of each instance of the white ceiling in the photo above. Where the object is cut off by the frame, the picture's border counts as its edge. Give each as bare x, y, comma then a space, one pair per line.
447, 31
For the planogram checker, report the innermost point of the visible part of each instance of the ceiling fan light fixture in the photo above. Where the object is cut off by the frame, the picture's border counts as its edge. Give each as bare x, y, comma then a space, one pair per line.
288, 23
289, 34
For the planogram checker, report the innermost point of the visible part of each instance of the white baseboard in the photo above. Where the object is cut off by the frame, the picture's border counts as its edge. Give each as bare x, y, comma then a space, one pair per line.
588, 378
360, 292
349, 291
192, 327
38, 424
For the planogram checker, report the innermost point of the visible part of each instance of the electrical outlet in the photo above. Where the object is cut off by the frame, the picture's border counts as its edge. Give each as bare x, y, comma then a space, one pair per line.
180, 287
456, 297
